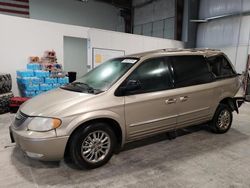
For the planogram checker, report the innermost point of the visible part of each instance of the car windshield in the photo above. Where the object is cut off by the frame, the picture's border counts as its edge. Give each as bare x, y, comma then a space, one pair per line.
102, 77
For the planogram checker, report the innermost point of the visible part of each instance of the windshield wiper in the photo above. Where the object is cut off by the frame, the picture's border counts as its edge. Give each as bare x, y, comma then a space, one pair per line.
82, 86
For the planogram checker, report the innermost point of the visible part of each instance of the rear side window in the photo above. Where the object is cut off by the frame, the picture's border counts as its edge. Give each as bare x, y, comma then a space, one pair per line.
153, 74
220, 67
190, 70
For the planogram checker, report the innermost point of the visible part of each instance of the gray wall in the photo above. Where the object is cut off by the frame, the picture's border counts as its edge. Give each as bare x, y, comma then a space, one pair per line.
230, 34
213, 8
155, 19
91, 14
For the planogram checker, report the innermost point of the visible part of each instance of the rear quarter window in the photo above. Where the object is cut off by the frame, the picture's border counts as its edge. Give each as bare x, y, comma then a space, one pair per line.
220, 67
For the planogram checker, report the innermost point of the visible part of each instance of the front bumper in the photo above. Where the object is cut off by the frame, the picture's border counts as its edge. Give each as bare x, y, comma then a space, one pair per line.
45, 146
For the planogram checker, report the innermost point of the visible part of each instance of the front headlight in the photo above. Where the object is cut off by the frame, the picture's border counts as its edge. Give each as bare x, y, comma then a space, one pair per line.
44, 124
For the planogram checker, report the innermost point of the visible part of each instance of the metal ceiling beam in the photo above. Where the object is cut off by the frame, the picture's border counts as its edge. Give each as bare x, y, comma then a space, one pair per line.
221, 16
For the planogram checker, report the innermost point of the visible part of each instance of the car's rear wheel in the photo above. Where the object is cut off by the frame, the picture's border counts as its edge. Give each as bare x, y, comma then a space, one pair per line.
222, 119
92, 146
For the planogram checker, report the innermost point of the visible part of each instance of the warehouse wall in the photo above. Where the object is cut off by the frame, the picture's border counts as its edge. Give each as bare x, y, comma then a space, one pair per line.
230, 34
21, 38
155, 19
214, 8
90, 14
189, 29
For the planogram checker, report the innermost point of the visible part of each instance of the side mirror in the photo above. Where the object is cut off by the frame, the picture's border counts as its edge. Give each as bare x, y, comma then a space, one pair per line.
130, 87
133, 85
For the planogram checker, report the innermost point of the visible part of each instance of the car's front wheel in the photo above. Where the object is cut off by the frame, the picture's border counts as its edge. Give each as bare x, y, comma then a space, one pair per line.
222, 119
92, 146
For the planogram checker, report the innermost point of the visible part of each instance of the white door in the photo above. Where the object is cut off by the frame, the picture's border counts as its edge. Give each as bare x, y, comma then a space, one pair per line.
75, 55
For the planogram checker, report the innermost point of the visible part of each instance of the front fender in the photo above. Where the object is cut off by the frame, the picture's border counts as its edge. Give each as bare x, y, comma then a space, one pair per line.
81, 119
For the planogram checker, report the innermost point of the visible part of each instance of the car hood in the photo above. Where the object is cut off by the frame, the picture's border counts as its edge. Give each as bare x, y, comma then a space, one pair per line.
52, 103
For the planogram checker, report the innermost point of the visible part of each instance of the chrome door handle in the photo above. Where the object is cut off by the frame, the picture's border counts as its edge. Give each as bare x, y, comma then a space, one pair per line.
170, 101
184, 98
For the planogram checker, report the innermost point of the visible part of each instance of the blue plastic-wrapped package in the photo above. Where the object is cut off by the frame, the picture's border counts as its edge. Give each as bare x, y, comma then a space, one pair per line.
50, 80
41, 73
39, 92
31, 87
41, 80
56, 85
28, 80
35, 80
33, 66
45, 87
29, 93
64, 80
25, 73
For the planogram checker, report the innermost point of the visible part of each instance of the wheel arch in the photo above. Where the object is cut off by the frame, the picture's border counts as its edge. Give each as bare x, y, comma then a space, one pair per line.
231, 102
112, 123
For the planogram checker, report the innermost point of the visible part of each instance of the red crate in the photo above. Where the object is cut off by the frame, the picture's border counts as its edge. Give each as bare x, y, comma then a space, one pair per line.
18, 100
15, 103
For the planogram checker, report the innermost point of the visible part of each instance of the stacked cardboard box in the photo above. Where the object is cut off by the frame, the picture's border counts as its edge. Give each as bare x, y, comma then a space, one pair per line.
41, 75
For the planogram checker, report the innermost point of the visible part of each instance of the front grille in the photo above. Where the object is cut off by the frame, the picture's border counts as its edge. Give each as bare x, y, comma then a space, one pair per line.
19, 119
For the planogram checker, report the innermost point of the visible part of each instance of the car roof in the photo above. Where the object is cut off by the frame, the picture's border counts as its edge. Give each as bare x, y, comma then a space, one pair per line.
178, 51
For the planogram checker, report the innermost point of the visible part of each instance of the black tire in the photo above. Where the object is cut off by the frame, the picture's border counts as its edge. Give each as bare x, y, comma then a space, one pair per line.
222, 119
5, 83
77, 141
5, 101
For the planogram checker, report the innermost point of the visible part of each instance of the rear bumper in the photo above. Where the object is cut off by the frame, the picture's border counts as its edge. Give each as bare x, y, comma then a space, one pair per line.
42, 148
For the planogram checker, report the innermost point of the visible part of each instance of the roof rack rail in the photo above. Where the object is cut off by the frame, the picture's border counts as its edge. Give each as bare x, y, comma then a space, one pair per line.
188, 49
204, 50
207, 49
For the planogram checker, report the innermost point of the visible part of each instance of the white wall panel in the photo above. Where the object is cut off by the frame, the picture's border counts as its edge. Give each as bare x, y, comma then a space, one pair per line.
21, 38
222, 32
238, 56
245, 30
230, 52
129, 42
241, 58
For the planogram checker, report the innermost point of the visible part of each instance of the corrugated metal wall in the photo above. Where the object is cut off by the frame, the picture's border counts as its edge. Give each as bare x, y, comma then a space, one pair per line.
157, 18
213, 8
230, 34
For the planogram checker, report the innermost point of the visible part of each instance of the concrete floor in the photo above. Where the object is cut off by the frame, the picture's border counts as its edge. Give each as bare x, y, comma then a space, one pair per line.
193, 159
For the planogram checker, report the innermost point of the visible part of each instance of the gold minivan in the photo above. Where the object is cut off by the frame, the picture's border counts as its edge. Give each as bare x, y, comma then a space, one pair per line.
126, 99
